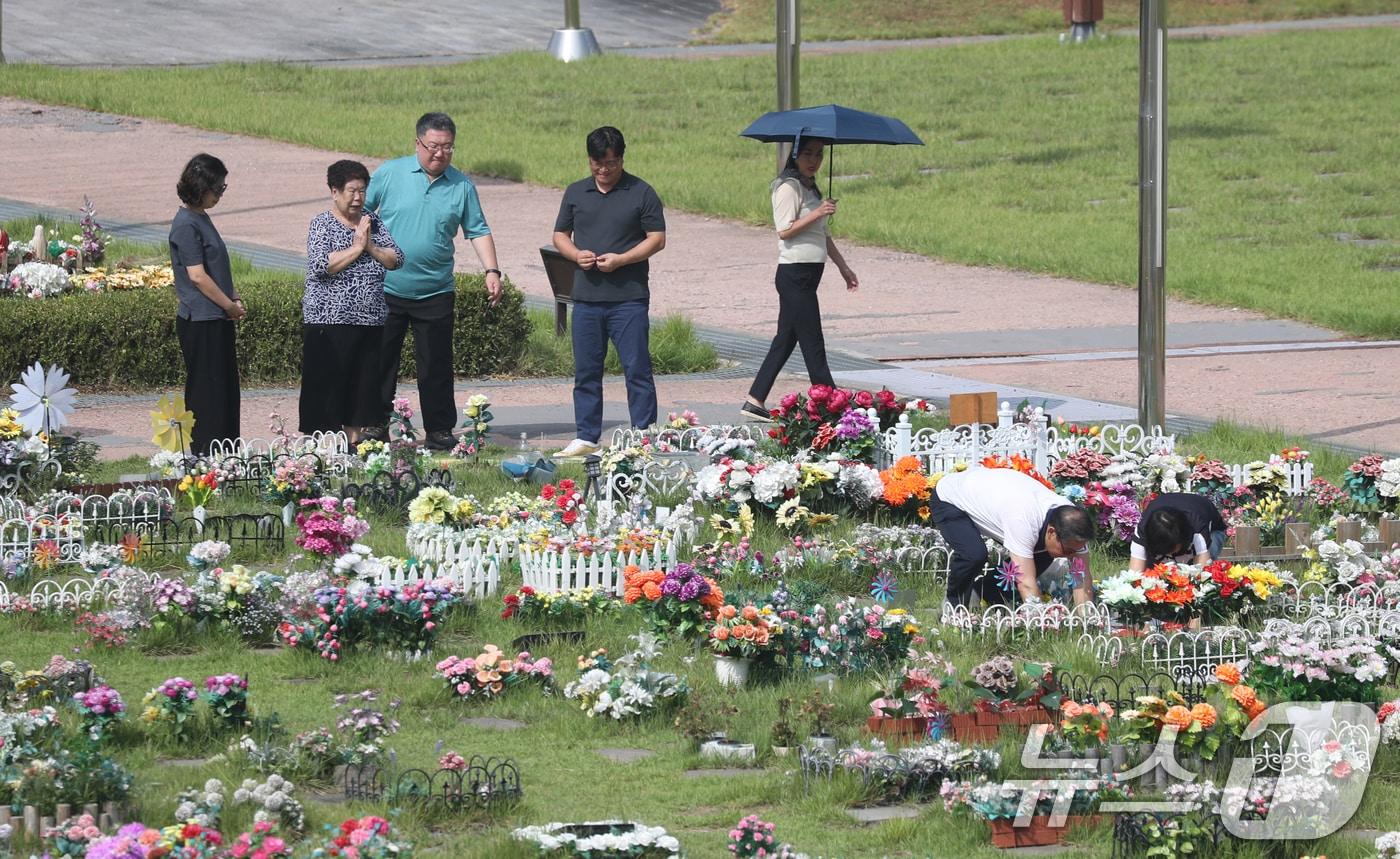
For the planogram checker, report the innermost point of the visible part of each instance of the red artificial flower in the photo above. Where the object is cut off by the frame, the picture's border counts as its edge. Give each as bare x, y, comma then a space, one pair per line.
547, 491
819, 393
864, 399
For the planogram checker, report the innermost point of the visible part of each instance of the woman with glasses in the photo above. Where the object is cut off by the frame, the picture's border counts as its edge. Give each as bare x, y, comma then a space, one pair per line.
343, 309
209, 304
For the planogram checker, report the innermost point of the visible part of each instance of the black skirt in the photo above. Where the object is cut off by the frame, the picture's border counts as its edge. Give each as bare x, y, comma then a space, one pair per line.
340, 376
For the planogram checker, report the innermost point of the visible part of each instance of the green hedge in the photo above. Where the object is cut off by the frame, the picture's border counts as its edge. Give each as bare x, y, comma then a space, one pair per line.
126, 340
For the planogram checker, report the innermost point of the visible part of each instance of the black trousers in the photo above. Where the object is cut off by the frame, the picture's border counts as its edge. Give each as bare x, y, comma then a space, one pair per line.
969, 555
431, 319
340, 366
211, 379
799, 323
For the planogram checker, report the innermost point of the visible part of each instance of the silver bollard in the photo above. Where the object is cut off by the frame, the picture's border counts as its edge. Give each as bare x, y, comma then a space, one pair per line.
574, 42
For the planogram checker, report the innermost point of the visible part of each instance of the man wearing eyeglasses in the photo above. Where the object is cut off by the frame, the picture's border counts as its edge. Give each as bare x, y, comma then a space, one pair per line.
610, 224
424, 201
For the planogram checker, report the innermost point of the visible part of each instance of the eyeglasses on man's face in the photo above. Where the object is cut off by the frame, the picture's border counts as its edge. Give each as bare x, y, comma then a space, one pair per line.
437, 148
609, 164
221, 188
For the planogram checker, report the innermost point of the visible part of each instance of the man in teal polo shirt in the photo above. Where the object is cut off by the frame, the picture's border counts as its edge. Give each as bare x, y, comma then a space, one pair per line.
424, 201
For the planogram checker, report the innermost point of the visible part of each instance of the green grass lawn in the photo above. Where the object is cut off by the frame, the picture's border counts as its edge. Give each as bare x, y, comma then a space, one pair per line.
564, 776
822, 20
1279, 145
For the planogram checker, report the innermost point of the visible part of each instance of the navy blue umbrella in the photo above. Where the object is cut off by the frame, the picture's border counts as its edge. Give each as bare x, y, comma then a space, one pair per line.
830, 122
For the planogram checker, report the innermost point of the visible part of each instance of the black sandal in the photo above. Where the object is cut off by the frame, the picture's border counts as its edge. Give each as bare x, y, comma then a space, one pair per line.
757, 413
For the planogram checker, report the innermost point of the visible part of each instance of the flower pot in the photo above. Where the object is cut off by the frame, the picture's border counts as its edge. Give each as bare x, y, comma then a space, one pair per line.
289, 513
1025, 715
1038, 833
1390, 532
199, 516
1349, 530
729, 749
901, 728
732, 672
989, 718
781, 751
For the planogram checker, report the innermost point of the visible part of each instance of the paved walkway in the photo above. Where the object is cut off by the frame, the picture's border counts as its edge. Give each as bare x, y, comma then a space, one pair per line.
911, 311
156, 32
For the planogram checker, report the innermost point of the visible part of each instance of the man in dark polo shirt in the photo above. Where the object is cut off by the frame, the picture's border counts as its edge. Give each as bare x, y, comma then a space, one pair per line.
1177, 526
609, 224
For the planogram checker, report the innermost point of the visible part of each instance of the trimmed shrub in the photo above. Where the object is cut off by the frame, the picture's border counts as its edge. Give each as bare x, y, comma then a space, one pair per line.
126, 340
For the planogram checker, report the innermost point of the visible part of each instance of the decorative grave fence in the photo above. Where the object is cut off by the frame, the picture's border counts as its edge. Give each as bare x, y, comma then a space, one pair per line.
547, 571
463, 547
29, 478
1122, 692
1029, 620
477, 577
169, 541
245, 475
485, 783
655, 478
55, 533
684, 439
1190, 657
51, 688
44, 540
334, 446
1036, 440
1320, 599
389, 494
1298, 474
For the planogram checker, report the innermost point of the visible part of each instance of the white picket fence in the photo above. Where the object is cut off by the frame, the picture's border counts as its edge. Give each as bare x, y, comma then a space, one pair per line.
62, 536
1299, 475
561, 571
326, 445
476, 577
75, 593
463, 548
1037, 441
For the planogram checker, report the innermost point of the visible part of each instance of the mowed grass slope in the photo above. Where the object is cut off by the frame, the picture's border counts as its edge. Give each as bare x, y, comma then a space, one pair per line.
822, 20
1282, 171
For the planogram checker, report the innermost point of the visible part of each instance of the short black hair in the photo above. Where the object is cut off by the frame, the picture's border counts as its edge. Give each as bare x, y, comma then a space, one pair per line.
202, 174
345, 171
1166, 533
605, 139
435, 121
1071, 523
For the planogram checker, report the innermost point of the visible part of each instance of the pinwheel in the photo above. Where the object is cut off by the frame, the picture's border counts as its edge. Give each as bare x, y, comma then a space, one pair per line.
171, 422
884, 587
42, 399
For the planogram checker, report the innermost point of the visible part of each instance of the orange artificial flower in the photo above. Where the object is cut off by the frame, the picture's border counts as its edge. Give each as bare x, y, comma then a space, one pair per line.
925, 513
1227, 673
1244, 696
750, 613
727, 611
1178, 717
1205, 714
1254, 710
715, 599
721, 633
1156, 595
652, 591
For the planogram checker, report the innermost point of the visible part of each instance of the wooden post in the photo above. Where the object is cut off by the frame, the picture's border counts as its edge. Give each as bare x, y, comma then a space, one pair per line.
979, 408
1295, 537
1348, 530
1246, 542
1390, 532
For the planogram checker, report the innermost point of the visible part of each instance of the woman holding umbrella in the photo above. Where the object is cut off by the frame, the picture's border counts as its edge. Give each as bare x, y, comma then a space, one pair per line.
800, 217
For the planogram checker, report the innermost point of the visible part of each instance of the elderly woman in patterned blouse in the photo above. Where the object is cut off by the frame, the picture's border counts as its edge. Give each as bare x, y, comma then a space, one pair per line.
343, 309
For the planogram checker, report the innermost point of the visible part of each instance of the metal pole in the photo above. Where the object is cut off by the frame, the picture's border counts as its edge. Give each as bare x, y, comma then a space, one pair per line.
2, 31
789, 47
1152, 214
571, 15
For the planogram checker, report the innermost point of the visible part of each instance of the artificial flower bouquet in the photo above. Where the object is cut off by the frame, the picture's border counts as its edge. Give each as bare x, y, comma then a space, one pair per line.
566, 501
435, 505
198, 490
1225, 588
853, 637
362, 838
996, 800
572, 607
626, 687
292, 479
754, 837
476, 426
1084, 726
907, 488
679, 601
401, 619
602, 838
913, 690
1190, 728
745, 633
227, 696
1288, 665
1080, 468
100, 707
492, 672
811, 419
328, 526
1000, 687
171, 703
1165, 592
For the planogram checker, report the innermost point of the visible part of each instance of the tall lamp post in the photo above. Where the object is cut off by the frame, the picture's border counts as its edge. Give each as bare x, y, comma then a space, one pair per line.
789, 48
1152, 214
574, 42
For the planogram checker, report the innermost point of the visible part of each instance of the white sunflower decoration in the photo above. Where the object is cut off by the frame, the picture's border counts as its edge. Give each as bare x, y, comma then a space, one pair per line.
43, 399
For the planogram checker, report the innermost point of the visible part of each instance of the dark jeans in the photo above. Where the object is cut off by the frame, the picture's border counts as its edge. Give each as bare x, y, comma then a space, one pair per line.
799, 323
211, 379
969, 555
1215, 543
431, 319
625, 323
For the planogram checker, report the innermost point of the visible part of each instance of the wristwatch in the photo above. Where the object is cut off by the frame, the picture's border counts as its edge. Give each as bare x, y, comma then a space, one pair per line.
495, 271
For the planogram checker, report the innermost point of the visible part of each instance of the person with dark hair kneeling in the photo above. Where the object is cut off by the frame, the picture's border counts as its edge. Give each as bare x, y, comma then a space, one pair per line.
1036, 525
1177, 526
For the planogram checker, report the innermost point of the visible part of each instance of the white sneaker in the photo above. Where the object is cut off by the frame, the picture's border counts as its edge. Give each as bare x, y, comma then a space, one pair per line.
578, 447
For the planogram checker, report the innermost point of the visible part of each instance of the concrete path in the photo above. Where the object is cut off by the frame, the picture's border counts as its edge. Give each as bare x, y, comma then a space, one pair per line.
912, 309
163, 32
